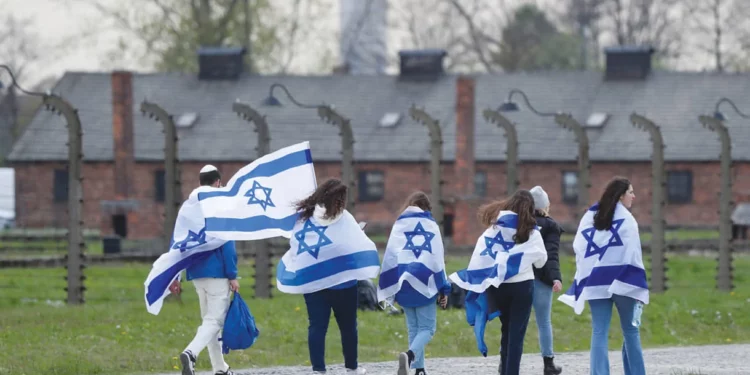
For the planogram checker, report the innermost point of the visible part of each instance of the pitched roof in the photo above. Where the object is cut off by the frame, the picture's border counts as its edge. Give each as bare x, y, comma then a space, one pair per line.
671, 99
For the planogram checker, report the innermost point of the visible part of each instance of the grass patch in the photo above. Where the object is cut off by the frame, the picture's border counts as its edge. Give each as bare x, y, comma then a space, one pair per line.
113, 333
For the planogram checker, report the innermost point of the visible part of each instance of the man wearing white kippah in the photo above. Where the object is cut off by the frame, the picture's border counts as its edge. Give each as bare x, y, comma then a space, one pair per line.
546, 279
213, 277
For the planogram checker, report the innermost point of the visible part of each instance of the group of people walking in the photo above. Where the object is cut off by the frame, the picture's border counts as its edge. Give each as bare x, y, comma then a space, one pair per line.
514, 268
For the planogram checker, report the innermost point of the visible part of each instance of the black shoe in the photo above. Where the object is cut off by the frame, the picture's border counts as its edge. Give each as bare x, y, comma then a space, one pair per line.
228, 372
187, 359
550, 368
420, 371
404, 362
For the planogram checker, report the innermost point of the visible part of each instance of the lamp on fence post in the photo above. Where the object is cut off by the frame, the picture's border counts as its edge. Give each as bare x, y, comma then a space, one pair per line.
329, 115
173, 191
725, 270
261, 248
511, 149
436, 156
75, 258
565, 121
658, 184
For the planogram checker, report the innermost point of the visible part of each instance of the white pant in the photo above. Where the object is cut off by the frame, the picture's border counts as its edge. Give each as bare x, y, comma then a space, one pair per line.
213, 295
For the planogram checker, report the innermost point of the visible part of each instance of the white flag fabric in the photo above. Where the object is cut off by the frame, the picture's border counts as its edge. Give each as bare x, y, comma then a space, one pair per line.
607, 261
258, 201
322, 256
497, 257
414, 254
189, 245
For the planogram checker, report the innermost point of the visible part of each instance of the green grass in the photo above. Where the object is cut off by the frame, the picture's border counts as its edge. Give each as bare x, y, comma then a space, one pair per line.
113, 333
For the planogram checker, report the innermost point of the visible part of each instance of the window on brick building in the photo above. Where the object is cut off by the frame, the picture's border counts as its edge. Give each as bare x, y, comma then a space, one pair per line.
371, 186
480, 183
448, 225
679, 187
120, 225
570, 187
60, 187
159, 181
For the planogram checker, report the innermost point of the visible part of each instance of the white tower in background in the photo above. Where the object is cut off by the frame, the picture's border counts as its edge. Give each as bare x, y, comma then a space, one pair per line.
364, 28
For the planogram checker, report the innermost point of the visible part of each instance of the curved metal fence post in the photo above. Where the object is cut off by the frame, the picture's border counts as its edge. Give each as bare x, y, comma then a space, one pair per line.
511, 149
658, 184
329, 115
75, 259
436, 156
173, 191
725, 270
566, 121
261, 248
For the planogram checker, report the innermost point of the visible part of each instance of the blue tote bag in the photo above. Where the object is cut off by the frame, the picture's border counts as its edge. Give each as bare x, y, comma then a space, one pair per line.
239, 331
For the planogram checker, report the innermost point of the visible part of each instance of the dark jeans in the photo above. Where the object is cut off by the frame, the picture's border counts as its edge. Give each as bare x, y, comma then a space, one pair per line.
319, 306
514, 302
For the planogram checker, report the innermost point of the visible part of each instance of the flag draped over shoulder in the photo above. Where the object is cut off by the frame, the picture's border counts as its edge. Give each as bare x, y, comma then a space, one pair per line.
414, 254
478, 313
189, 245
607, 261
497, 257
258, 201
321, 256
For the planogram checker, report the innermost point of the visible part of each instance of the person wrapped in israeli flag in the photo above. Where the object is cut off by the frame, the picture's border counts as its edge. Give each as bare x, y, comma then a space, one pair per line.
328, 253
413, 274
610, 271
258, 201
501, 270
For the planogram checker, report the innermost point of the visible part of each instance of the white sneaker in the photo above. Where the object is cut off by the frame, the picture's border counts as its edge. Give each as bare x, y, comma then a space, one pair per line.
358, 371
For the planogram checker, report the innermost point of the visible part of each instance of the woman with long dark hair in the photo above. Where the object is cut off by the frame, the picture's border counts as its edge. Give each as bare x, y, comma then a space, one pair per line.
328, 253
501, 267
609, 271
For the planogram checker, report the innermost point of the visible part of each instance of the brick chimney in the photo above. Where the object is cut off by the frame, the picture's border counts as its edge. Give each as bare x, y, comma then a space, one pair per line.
465, 204
123, 156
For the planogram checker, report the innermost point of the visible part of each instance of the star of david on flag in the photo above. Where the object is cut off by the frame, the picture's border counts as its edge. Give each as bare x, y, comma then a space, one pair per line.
426, 244
323, 240
197, 239
593, 249
490, 243
252, 193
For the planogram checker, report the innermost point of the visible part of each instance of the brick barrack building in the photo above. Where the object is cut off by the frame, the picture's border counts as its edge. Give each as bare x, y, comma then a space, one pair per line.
391, 152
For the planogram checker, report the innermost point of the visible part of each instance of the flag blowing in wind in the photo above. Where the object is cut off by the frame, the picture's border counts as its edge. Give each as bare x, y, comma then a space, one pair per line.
322, 255
414, 254
607, 261
258, 202
497, 257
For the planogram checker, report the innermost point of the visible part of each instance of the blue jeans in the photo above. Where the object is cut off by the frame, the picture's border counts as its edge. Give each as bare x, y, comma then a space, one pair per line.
543, 313
343, 302
601, 314
421, 323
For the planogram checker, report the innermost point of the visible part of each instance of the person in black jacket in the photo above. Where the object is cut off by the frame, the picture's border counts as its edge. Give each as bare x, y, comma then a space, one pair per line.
547, 279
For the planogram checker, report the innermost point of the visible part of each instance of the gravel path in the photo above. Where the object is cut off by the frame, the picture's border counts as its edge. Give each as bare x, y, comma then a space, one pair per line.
703, 360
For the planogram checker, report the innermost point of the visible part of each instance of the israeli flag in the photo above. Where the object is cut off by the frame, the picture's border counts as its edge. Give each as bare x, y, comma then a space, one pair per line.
414, 254
258, 201
321, 256
190, 244
607, 261
497, 257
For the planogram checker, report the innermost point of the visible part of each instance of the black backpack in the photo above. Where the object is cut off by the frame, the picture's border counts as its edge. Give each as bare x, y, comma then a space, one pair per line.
368, 297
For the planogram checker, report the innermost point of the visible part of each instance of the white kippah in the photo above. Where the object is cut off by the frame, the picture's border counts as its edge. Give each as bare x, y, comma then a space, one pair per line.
208, 168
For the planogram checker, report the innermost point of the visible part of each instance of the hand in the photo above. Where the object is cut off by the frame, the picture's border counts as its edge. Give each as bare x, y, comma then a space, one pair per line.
234, 285
175, 287
443, 300
556, 286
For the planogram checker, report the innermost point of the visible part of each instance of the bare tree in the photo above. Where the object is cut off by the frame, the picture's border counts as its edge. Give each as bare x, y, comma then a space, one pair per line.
659, 23
720, 27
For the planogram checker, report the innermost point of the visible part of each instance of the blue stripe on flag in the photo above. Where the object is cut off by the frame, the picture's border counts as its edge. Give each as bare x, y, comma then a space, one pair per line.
606, 275
250, 224
476, 277
268, 169
417, 215
327, 268
160, 283
508, 221
418, 270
